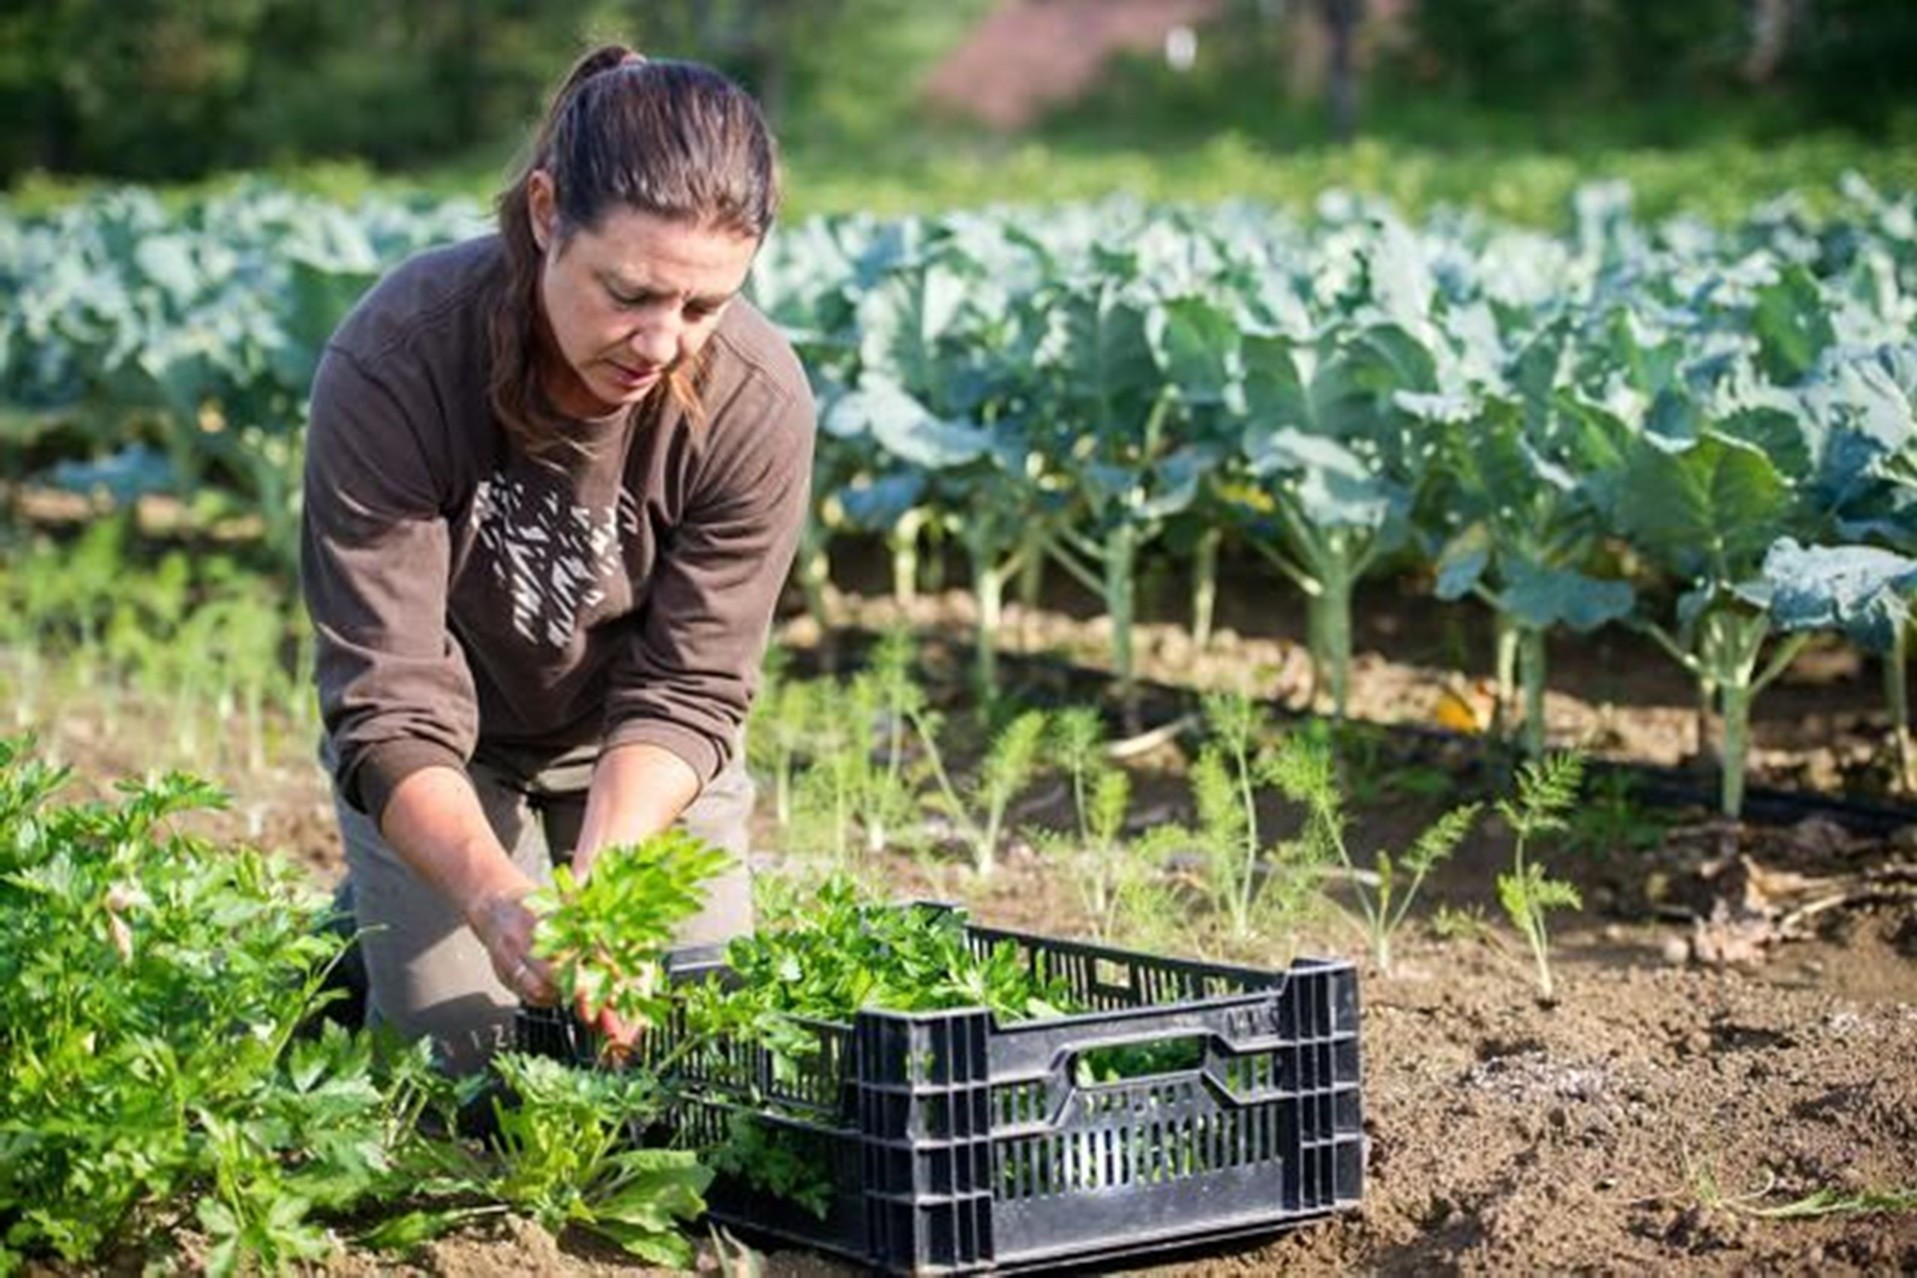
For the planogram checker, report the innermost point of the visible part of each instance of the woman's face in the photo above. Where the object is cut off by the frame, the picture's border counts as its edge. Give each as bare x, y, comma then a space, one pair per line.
630, 299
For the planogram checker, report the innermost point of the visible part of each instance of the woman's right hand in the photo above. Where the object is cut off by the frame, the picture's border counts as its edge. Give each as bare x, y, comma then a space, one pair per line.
435, 822
505, 926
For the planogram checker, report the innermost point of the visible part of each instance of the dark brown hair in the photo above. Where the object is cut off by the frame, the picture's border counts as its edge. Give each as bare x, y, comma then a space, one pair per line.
672, 139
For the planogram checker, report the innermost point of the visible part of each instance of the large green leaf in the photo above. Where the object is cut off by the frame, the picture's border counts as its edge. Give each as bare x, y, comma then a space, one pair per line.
167, 263
1492, 468
1709, 511
1862, 591
1302, 386
1098, 351
1398, 278
1330, 484
1785, 434
130, 473
1793, 326
1389, 358
1196, 346
903, 321
878, 504
905, 428
1880, 395
1542, 597
1462, 562
1625, 346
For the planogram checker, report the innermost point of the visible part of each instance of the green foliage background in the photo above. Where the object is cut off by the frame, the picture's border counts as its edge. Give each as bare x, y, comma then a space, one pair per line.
174, 89
168, 90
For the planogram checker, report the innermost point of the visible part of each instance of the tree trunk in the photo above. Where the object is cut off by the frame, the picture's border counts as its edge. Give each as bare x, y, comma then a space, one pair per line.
1341, 23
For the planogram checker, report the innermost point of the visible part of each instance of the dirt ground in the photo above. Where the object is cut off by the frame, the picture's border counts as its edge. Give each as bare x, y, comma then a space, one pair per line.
1738, 1006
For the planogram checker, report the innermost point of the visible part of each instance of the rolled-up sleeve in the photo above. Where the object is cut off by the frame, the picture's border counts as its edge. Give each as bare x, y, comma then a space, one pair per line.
395, 691
692, 667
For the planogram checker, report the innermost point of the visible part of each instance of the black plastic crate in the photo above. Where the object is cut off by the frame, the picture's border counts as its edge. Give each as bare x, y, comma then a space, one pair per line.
958, 1144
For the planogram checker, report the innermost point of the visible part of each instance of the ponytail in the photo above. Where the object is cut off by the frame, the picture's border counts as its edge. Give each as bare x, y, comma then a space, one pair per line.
672, 139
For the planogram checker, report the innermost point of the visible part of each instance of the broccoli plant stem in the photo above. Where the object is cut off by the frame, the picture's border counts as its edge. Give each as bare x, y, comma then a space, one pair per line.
1531, 658
1117, 559
1897, 695
1741, 644
1729, 643
986, 546
1031, 572
988, 586
1325, 563
1507, 669
1121, 561
1330, 625
1204, 586
903, 539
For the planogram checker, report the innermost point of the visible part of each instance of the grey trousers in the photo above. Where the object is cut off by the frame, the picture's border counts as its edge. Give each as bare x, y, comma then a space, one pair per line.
428, 975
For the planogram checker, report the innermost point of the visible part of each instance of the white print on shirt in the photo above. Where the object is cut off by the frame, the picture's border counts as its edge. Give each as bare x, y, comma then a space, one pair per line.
553, 557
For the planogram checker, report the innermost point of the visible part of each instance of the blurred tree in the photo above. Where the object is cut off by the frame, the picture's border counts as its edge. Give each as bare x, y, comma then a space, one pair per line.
838, 70
1529, 53
159, 89
1857, 63
89, 84
757, 41
405, 81
1842, 62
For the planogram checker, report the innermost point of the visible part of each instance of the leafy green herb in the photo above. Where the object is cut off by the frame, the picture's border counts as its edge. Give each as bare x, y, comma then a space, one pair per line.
846, 951
1012, 761
608, 934
819, 959
1546, 792
152, 990
568, 1158
785, 1162
1304, 772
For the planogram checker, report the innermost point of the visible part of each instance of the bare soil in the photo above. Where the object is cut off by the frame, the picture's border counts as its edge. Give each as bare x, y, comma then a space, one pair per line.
1737, 1011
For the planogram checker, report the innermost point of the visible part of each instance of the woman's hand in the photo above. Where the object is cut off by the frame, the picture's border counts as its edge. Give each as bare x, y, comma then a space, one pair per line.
435, 822
505, 926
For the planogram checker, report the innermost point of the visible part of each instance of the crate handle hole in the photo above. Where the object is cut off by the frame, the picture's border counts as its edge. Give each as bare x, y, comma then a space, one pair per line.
1125, 1062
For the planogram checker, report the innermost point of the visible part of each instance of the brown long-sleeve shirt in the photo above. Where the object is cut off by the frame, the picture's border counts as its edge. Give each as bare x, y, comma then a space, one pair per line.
464, 593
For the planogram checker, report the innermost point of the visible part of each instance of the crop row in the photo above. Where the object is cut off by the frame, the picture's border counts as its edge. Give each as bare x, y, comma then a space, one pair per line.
1703, 433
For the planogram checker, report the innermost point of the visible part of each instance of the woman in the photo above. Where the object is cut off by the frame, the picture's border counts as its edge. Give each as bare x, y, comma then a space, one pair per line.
554, 481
